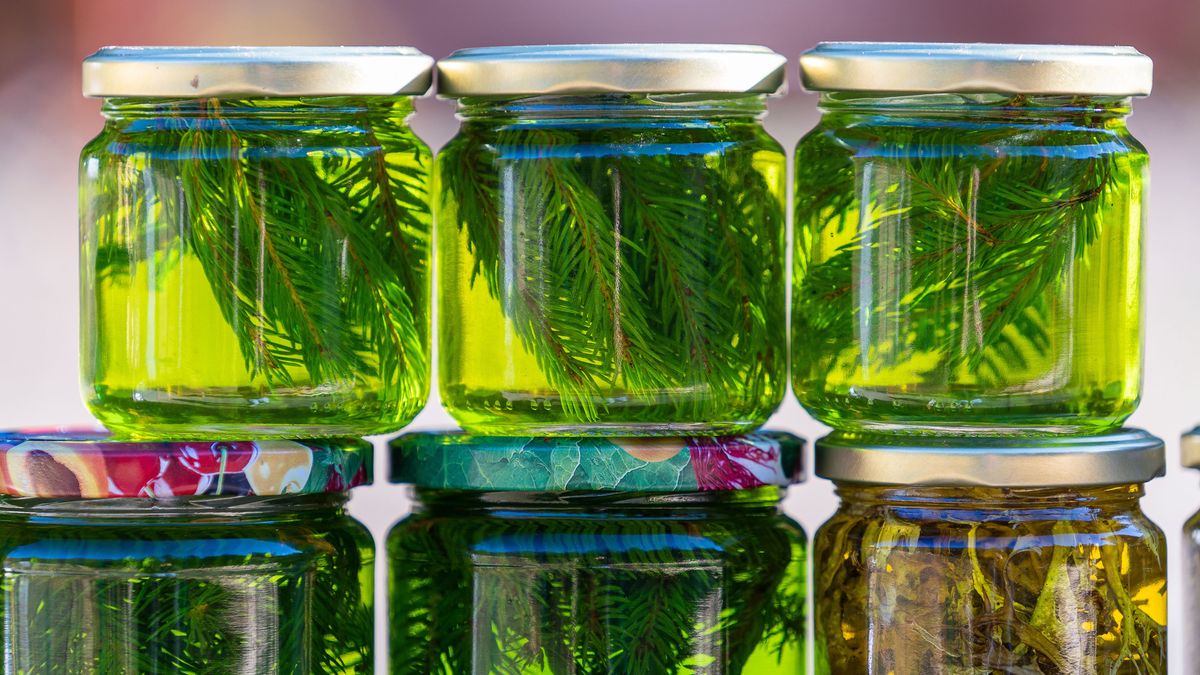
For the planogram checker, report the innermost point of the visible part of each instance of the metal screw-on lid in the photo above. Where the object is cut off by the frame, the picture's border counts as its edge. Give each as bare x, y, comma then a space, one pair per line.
611, 68
188, 72
1189, 449
89, 465
1121, 457
456, 461
928, 67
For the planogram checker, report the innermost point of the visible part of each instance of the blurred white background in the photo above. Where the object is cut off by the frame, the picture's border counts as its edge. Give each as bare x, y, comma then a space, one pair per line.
44, 122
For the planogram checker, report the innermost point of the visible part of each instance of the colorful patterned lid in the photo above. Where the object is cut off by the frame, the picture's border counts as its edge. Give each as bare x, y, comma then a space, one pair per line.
88, 465
456, 461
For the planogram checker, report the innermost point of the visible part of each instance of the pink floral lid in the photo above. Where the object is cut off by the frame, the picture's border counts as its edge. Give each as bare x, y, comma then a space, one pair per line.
88, 465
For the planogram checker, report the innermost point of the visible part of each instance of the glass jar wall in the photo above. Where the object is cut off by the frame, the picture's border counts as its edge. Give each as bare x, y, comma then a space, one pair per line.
611, 249
968, 256
621, 573
255, 242
127, 559
955, 577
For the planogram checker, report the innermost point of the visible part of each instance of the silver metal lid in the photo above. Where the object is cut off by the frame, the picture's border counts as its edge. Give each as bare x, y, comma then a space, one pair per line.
1121, 457
1189, 449
928, 67
189, 72
594, 69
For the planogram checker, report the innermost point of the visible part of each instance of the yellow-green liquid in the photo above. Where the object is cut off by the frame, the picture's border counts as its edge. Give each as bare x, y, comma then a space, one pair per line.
591, 584
973, 267
255, 268
611, 271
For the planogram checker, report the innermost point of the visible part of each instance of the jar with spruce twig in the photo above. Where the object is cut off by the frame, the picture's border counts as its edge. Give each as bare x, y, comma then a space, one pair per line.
611, 240
255, 242
554, 555
968, 247
183, 557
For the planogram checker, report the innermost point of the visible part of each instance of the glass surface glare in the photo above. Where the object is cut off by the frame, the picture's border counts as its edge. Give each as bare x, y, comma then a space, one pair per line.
192, 585
255, 268
590, 583
612, 265
988, 580
969, 263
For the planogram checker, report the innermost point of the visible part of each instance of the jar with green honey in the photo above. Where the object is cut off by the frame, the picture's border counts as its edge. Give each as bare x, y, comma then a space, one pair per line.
126, 558
588, 556
959, 555
255, 242
968, 249
611, 240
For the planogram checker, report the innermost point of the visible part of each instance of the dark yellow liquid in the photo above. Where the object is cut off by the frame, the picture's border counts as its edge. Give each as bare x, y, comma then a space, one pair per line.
982, 581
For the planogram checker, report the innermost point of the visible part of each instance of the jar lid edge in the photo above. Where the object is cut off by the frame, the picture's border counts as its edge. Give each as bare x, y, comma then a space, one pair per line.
1120, 457
667, 68
942, 67
255, 71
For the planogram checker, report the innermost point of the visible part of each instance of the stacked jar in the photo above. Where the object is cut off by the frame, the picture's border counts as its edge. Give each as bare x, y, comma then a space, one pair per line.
967, 316
255, 257
611, 233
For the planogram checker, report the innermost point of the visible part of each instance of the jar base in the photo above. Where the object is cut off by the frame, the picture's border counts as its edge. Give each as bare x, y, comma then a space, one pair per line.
145, 415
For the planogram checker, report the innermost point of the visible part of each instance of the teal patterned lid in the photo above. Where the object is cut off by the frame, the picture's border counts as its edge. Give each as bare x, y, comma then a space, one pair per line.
457, 461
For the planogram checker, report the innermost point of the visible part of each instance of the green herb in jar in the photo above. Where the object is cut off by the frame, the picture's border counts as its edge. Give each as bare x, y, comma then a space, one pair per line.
120, 591
515, 583
988, 580
256, 266
634, 254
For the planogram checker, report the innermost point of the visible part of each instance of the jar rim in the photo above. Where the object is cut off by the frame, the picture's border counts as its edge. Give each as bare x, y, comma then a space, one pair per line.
939, 67
457, 461
88, 464
1125, 456
612, 68
256, 72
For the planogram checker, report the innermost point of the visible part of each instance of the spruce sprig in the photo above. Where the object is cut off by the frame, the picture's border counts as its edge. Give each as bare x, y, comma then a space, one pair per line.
313, 237
555, 594
639, 269
977, 218
190, 601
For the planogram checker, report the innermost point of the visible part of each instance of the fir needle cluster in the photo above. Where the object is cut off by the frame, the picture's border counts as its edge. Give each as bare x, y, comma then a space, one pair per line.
310, 223
637, 259
954, 261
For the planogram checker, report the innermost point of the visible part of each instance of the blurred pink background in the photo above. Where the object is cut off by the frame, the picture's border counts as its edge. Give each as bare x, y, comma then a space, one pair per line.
44, 122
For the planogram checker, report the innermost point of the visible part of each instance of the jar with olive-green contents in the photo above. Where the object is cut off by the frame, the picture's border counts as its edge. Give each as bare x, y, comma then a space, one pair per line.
255, 242
611, 240
968, 249
1189, 451
1009, 557
590, 556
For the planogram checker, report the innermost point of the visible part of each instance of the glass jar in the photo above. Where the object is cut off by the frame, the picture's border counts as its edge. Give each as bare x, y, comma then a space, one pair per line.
557, 556
152, 558
1189, 451
255, 247
611, 240
968, 240
1023, 558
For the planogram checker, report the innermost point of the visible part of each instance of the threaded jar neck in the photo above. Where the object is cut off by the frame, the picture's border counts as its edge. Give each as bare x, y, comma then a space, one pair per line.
200, 509
678, 107
763, 501
1024, 502
1092, 111
316, 109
